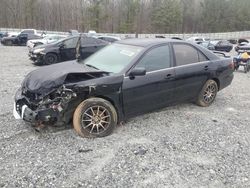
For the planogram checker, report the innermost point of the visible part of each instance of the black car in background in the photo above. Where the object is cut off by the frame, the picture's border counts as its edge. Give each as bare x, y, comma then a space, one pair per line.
65, 50
221, 45
21, 39
122, 80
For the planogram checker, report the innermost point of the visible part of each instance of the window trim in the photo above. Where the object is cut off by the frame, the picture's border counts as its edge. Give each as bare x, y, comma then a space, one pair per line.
187, 44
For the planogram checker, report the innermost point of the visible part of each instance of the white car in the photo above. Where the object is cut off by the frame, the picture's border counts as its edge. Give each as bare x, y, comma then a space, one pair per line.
197, 39
46, 40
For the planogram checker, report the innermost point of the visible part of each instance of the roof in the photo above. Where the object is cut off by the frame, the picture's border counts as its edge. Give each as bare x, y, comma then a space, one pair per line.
146, 42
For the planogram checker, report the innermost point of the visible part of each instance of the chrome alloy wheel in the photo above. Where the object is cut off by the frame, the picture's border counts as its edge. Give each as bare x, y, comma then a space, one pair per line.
96, 119
209, 93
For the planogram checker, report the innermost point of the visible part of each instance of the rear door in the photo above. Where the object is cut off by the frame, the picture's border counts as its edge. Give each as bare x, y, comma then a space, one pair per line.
153, 90
68, 49
191, 69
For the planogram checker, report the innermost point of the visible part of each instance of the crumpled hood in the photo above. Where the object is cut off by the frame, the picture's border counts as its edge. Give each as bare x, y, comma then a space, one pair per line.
46, 79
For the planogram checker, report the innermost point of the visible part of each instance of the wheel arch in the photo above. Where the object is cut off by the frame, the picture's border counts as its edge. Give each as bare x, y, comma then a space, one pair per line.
217, 82
114, 103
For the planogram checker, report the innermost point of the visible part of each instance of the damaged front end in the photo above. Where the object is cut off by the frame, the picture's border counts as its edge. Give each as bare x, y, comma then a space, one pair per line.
46, 110
50, 95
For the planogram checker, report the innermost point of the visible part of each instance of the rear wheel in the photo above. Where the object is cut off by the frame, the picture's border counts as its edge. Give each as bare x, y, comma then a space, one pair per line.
51, 59
207, 93
94, 117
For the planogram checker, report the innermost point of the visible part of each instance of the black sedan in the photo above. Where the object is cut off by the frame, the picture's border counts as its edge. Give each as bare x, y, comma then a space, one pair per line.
65, 50
220, 45
122, 80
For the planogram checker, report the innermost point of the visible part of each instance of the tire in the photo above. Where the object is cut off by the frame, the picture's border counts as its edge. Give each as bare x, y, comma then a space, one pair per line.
51, 58
88, 117
245, 69
207, 94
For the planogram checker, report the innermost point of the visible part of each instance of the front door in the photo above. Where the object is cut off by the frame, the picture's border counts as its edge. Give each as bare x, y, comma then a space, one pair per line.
68, 49
155, 89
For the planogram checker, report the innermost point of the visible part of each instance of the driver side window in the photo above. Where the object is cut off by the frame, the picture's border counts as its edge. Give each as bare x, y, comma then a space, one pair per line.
71, 43
156, 59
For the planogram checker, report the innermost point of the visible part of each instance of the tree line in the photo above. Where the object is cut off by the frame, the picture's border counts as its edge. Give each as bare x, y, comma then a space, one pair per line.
127, 16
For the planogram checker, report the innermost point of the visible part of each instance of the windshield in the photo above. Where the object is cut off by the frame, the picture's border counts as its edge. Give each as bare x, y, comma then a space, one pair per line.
113, 58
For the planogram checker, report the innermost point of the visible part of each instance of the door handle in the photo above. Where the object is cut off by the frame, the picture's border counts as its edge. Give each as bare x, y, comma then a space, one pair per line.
169, 77
206, 68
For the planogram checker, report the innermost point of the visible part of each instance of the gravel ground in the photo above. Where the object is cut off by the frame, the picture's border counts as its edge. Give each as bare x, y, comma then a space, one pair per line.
179, 146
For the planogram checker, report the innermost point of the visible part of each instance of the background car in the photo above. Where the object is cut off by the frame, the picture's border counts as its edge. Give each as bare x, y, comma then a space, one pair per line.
221, 45
197, 39
22, 38
46, 40
233, 41
243, 44
65, 50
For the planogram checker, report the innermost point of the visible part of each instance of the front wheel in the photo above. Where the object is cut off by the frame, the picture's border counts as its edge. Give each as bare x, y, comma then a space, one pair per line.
50, 59
94, 117
207, 93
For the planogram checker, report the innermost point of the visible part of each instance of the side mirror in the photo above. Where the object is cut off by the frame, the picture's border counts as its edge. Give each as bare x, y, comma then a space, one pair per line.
137, 72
